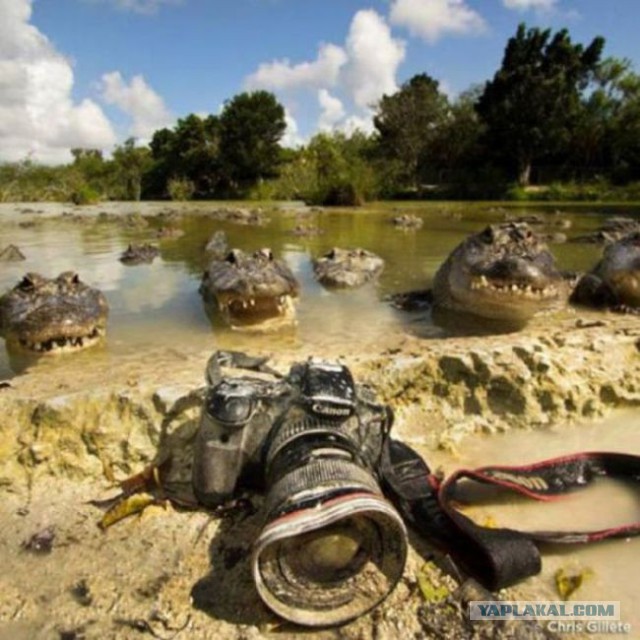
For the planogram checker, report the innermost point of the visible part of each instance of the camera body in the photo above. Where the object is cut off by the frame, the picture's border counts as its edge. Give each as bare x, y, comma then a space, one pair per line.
331, 546
248, 426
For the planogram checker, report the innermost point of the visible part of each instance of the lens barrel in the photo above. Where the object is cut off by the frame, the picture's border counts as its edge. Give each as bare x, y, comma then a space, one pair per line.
332, 547
332, 562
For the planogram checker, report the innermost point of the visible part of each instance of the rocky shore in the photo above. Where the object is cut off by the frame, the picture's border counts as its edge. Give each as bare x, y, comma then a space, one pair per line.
174, 573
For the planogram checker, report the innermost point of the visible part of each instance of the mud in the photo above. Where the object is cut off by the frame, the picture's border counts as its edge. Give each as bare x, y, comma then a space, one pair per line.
65, 439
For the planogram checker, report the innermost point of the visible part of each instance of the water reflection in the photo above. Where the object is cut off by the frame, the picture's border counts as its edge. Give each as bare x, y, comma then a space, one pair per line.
159, 304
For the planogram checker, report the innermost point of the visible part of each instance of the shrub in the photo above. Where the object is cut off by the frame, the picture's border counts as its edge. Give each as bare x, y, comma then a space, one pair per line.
180, 189
84, 195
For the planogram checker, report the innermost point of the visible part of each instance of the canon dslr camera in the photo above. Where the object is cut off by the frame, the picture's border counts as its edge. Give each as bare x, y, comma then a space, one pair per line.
332, 547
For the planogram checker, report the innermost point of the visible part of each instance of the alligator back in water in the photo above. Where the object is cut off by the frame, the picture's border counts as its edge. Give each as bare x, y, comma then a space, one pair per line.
505, 272
45, 316
251, 291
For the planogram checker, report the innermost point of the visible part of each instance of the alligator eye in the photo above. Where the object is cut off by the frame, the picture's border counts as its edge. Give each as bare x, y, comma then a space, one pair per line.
68, 277
487, 235
27, 283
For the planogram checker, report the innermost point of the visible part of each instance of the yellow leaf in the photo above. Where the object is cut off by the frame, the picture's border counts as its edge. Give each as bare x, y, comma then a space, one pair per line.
126, 507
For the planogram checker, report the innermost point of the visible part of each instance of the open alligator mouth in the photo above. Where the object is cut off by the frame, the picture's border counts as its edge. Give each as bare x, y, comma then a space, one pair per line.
260, 312
504, 272
253, 292
519, 290
63, 344
50, 316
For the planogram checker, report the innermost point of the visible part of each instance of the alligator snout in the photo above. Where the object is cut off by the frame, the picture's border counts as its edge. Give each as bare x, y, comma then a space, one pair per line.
517, 269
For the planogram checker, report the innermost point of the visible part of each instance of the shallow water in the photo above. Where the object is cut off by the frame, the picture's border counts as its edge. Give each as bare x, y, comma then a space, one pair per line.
611, 566
159, 305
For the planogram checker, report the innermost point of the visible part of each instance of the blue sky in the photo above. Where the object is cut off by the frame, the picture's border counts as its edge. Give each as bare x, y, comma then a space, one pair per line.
93, 72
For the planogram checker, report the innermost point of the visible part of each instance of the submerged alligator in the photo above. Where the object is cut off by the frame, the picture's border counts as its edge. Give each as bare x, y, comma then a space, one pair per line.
254, 290
139, 254
504, 273
342, 268
51, 316
614, 282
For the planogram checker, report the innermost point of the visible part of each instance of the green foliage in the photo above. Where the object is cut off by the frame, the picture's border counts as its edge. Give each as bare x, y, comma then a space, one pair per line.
180, 189
533, 101
408, 123
130, 164
553, 114
251, 126
27, 181
84, 195
188, 152
332, 169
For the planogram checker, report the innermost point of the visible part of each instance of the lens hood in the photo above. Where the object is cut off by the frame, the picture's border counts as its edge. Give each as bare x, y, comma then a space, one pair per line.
332, 561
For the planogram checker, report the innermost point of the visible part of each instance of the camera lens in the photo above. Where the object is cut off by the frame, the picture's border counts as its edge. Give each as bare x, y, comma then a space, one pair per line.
332, 560
333, 553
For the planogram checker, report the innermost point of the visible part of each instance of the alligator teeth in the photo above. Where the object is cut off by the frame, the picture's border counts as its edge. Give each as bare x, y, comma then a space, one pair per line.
63, 343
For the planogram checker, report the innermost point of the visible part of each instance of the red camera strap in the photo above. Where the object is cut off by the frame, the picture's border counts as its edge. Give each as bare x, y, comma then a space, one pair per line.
498, 557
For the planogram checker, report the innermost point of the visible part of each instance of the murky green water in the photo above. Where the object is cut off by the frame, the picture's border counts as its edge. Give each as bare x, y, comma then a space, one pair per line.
159, 305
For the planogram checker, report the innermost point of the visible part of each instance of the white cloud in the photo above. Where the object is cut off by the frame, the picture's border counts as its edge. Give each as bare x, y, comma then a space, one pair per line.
374, 57
332, 110
358, 123
140, 6
37, 113
291, 137
139, 101
525, 5
431, 19
281, 74
346, 80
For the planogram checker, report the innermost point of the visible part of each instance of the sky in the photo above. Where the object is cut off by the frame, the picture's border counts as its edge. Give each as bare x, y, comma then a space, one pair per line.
92, 73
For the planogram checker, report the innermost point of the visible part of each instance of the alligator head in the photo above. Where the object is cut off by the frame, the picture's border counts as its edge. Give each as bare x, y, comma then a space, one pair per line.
52, 316
139, 254
347, 267
251, 290
504, 272
615, 281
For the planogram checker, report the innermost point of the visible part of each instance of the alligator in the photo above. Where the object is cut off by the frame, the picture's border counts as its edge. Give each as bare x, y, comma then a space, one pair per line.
251, 291
139, 254
610, 231
614, 282
217, 246
407, 221
342, 268
504, 272
46, 316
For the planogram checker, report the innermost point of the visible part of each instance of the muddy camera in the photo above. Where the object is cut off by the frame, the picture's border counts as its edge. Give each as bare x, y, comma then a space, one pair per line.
331, 547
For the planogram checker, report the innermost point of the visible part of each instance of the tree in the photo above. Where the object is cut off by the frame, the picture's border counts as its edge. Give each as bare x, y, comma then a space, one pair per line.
611, 120
407, 123
131, 163
188, 153
251, 126
533, 101
455, 150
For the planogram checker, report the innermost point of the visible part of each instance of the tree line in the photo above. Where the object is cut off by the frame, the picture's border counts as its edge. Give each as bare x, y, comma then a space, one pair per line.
555, 113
